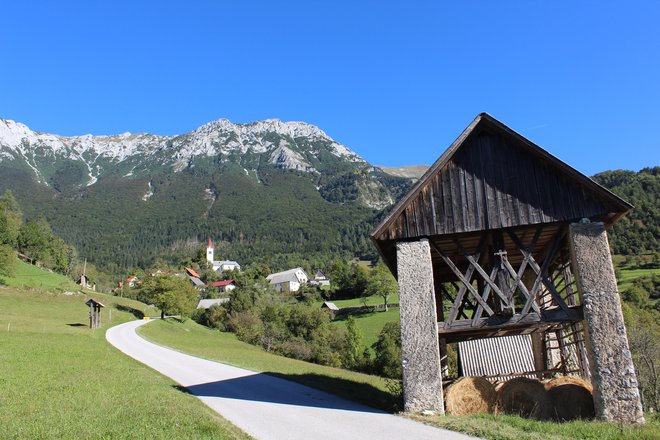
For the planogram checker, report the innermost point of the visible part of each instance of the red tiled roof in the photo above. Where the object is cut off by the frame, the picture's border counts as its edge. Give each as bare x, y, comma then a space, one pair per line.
191, 272
222, 283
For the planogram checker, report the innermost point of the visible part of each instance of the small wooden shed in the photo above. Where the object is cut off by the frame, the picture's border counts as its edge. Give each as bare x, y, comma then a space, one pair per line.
94, 312
499, 238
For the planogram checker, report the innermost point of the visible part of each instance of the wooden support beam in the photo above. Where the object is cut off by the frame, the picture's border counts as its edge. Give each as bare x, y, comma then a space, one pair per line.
541, 271
494, 324
465, 280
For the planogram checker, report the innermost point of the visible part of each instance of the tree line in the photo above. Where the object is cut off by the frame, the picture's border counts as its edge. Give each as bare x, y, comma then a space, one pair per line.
33, 240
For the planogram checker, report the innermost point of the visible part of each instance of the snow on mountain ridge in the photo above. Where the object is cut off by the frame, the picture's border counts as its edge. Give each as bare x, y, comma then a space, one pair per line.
219, 136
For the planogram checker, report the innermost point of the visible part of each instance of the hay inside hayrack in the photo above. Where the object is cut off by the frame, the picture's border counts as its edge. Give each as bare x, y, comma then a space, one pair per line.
470, 395
523, 396
570, 398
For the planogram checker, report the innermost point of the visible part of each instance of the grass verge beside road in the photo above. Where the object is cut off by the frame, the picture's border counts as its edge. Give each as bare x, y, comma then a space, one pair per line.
59, 379
192, 338
506, 427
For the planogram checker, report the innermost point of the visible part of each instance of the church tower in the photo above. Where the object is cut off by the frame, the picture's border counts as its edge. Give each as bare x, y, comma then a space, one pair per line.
209, 251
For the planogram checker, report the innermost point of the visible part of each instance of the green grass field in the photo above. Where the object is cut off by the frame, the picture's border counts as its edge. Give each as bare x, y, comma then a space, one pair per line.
27, 275
59, 379
370, 323
192, 338
506, 427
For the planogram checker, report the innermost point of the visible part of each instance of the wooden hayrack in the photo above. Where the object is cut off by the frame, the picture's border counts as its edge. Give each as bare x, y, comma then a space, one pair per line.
94, 313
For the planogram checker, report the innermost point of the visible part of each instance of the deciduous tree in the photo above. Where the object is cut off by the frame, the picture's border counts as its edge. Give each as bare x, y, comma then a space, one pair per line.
381, 283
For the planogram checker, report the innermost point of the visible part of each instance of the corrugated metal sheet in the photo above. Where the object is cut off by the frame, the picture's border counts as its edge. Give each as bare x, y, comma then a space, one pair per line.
504, 357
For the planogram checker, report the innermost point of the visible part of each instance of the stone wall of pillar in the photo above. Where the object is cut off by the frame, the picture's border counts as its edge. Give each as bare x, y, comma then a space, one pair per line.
616, 395
422, 384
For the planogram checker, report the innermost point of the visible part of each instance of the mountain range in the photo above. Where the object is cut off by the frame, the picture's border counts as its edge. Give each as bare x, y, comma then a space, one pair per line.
264, 188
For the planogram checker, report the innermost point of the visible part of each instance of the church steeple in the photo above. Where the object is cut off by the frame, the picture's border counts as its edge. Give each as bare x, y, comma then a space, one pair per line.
209, 251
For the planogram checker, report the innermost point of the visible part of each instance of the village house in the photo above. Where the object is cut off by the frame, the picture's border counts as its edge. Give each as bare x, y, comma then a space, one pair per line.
219, 265
319, 280
224, 286
289, 280
194, 277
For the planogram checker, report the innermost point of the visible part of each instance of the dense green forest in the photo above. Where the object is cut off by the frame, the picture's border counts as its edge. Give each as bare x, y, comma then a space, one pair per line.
639, 231
280, 219
33, 240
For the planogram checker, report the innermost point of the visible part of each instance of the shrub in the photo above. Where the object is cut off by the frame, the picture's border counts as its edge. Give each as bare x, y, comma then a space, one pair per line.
247, 327
295, 348
213, 317
388, 351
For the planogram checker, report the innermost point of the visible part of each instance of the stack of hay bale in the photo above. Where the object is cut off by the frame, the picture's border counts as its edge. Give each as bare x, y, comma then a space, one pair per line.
562, 398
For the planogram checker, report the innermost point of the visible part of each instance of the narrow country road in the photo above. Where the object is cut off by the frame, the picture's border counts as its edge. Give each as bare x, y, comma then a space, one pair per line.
267, 407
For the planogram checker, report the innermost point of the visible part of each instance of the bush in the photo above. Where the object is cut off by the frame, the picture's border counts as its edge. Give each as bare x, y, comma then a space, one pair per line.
247, 327
295, 348
388, 351
213, 317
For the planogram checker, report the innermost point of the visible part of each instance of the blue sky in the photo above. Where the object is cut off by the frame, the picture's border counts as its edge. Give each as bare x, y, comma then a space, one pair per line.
395, 81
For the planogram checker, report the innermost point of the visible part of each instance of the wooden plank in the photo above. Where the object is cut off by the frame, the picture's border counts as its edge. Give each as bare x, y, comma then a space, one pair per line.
439, 206
456, 208
491, 207
434, 219
574, 314
467, 284
480, 310
483, 273
541, 271
463, 199
518, 282
446, 199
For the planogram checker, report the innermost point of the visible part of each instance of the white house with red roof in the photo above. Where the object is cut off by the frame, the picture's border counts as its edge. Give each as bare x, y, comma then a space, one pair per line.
224, 286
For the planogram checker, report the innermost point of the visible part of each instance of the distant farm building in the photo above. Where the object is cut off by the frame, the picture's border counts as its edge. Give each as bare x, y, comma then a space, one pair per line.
332, 307
319, 279
289, 280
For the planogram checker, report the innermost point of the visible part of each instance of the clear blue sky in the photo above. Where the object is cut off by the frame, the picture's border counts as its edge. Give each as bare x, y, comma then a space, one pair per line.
395, 81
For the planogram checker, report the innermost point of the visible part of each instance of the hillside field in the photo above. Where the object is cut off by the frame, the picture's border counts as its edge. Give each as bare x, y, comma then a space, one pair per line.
59, 379
56, 374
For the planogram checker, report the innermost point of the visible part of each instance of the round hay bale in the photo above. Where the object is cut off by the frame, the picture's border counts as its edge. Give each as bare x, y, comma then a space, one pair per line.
470, 395
562, 380
570, 398
525, 397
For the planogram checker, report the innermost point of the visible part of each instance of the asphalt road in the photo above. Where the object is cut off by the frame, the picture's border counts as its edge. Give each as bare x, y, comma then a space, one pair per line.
267, 407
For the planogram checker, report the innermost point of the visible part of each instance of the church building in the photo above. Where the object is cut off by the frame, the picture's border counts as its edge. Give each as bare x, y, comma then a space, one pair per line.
221, 265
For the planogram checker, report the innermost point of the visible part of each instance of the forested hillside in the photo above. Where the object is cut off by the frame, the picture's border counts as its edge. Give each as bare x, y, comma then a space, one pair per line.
639, 231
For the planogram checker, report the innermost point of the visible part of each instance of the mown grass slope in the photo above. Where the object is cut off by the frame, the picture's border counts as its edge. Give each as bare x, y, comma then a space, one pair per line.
192, 338
27, 275
59, 379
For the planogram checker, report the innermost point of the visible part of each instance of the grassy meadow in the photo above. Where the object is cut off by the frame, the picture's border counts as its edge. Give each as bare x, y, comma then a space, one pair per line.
27, 275
59, 379
369, 323
508, 427
192, 338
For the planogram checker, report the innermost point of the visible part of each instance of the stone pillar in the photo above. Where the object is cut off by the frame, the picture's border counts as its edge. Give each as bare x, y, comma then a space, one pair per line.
422, 384
616, 396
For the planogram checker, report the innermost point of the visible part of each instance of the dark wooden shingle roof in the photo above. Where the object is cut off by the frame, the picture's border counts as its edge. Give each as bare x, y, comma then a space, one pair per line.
493, 178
